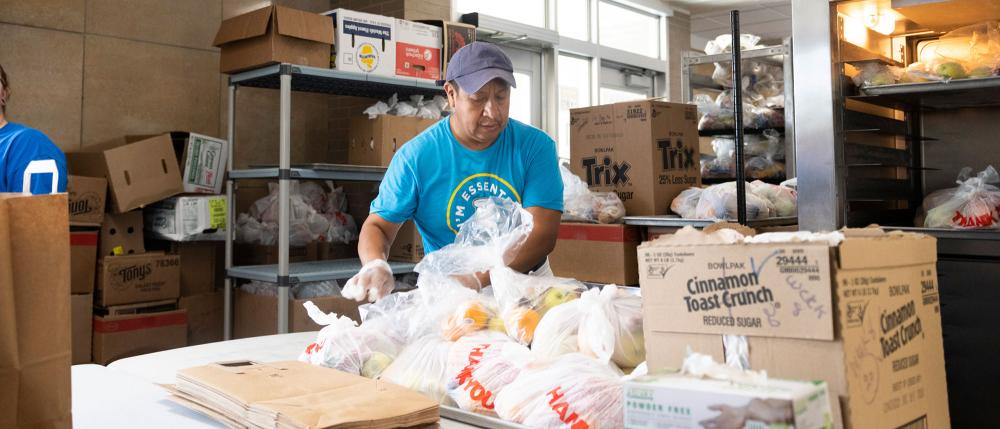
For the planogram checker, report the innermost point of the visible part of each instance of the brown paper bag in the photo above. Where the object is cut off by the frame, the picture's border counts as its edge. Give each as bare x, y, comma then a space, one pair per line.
35, 347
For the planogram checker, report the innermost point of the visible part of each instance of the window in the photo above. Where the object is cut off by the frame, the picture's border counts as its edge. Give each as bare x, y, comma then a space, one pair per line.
520, 98
573, 18
530, 12
629, 30
574, 91
615, 95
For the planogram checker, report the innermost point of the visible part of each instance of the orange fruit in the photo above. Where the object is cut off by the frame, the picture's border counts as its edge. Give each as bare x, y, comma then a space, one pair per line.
522, 321
469, 317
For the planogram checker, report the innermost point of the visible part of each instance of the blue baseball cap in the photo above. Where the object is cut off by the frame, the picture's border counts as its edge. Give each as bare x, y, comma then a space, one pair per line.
477, 63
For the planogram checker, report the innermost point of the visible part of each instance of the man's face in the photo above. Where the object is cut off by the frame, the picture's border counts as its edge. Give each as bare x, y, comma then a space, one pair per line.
482, 115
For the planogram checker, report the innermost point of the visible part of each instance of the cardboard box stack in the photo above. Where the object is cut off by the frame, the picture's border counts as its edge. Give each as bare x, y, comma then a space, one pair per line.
128, 295
363, 42
646, 151
597, 253
861, 314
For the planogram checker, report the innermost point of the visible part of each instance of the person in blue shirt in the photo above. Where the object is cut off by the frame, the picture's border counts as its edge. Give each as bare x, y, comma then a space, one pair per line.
475, 153
29, 161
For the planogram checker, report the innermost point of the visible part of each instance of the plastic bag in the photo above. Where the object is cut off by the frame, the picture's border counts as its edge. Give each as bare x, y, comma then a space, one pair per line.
572, 390
344, 346
422, 366
724, 43
480, 367
973, 204
876, 74
719, 202
784, 199
609, 207
686, 203
972, 51
471, 316
763, 167
582, 205
523, 300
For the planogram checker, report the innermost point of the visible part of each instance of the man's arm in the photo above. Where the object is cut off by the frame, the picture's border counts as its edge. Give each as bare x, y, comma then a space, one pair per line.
377, 235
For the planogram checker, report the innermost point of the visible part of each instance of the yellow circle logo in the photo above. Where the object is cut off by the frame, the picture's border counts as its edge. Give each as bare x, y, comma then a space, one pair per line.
368, 57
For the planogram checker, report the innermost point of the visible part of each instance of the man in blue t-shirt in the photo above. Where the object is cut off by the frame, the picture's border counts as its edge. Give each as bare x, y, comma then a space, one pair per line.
29, 161
475, 153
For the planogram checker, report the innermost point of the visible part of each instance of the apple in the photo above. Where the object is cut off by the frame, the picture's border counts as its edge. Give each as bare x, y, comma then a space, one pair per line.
557, 296
950, 70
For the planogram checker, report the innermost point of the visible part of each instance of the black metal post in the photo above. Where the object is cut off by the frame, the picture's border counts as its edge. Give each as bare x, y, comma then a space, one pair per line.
741, 186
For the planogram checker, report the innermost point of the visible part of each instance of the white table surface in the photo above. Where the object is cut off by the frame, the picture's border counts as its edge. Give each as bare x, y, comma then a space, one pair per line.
125, 394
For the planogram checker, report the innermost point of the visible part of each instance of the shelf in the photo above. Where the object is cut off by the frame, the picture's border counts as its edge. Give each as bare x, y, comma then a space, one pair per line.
746, 131
314, 271
337, 82
961, 234
937, 95
758, 54
719, 180
672, 221
316, 172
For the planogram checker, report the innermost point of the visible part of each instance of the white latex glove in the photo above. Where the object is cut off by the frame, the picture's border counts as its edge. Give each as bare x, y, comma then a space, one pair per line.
372, 283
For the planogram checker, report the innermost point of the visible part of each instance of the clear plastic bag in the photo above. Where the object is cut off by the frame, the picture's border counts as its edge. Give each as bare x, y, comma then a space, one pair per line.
719, 202
422, 366
686, 203
876, 74
609, 207
480, 367
523, 300
724, 43
471, 316
784, 199
973, 204
972, 51
582, 205
572, 390
344, 346
764, 167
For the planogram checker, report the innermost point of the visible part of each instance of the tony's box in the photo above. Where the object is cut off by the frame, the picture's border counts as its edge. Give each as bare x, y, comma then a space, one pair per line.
418, 50
597, 253
862, 315
645, 151
274, 34
133, 279
365, 43
118, 337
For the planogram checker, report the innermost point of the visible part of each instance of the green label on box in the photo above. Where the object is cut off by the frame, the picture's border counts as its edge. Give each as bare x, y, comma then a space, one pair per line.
217, 213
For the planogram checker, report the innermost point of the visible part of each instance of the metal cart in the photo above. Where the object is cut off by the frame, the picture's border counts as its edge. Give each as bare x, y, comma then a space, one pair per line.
287, 78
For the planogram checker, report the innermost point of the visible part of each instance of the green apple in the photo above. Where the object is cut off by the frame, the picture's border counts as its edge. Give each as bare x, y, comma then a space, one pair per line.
950, 70
557, 296
375, 364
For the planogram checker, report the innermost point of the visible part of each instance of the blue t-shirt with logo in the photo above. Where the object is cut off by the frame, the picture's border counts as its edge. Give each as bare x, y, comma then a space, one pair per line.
436, 181
25, 149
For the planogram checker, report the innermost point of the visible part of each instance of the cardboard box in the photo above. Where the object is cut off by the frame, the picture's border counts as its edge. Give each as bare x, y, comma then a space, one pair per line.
418, 50
205, 316
364, 43
687, 402
139, 278
119, 337
257, 315
375, 141
138, 173
864, 316
597, 253
454, 36
274, 34
188, 218
82, 261
202, 264
121, 234
645, 151
409, 245
86, 200
82, 308
202, 161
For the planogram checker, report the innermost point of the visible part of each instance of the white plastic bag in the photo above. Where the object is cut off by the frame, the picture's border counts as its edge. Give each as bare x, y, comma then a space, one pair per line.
784, 199
719, 202
582, 205
686, 203
422, 366
974, 204
480, 367
344, 346
523, 300
572, 390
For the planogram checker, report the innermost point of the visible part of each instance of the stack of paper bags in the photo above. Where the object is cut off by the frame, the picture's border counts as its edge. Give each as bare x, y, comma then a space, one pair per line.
294, 395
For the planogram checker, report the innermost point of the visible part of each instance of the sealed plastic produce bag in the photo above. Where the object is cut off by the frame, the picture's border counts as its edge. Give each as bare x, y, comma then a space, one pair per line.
783, 198
344, 346
975, 203
422, 366
605, 324
571, 391
686, 203
474, 315
480, 366
968, 52
582, 205
719, 202
875, 74
522, 299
